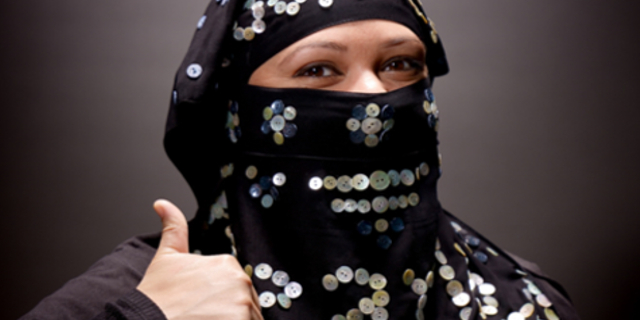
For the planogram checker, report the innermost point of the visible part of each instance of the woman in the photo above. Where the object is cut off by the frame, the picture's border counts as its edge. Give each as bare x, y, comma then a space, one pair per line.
308, 132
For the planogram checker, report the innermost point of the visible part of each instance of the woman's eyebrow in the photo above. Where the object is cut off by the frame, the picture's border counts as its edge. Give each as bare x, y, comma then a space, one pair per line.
400, 41
322, 44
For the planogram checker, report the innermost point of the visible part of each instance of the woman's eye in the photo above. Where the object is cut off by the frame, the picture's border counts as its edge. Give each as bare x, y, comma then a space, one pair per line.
402, 65
317, 72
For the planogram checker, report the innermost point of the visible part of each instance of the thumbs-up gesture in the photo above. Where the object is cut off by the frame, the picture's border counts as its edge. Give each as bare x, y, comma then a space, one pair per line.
187, 286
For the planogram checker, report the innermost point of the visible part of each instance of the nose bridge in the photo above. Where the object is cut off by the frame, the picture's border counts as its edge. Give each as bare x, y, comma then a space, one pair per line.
366, 80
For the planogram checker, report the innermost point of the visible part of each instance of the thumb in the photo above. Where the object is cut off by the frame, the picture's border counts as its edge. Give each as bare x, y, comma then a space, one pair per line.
175, 234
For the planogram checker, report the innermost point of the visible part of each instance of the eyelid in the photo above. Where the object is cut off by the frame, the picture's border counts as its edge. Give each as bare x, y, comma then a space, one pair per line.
307, 67
413, 62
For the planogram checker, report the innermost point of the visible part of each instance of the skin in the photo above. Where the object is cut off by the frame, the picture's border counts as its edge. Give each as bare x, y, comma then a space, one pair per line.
371, 56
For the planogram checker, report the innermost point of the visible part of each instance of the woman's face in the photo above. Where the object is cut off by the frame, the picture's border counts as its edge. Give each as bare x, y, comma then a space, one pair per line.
370, 56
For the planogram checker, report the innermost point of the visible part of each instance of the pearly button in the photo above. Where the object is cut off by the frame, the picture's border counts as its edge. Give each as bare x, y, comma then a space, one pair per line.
381, 225
249, 34
380, 313
284, 301
407, 177
454, 287
543, 301
486, 289
403, 201
413, 199
344, 184
263, 271
359, 113
354, 314
384, 242
201, 22
419, 314
393, 203
325, 3
533, 288
266, 201
388, 124
344, 274
424, 169
293, 290
361, 276
381, 298
280, 7
279, 179
257, 12
490, 301
330, 282
194, 71
360, 182
465, 313
364, 206
527, 309
380, 204
372, 109
265, 127
396, 224
290, 113
267, 299
251, 172
461, 299
419, 286
371, 140
481, 256
366, 305
440, 257
350, 205
551, 315
217, 211
315, 183
293, 8
364, 227
248, 269
271, 3
386, 112
255, 191
430, 279
338, 317
337, 205
377, 281
394, 176
422, 301
515, 316
446, 272
379, 180
471, 240
258, 26
353, 124
428, 94
280, 278
289, 130
426, 106
330, 182
489, 310
357, 136
277, 123
267, 113
278, 138
371, 125
238, 33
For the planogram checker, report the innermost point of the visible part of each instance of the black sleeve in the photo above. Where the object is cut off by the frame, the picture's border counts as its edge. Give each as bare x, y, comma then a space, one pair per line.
107, 288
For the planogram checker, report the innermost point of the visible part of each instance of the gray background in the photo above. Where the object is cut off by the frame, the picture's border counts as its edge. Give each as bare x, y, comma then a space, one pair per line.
539, 135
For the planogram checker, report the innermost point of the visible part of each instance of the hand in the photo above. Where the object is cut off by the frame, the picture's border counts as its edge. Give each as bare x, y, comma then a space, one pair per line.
188, 286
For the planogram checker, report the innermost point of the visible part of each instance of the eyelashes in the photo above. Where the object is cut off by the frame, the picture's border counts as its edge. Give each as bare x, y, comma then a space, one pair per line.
328, 69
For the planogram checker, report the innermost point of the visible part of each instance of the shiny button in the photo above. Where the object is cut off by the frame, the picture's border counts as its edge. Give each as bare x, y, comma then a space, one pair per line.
330, 182
371, 125
394, 176
280, 278
419, 286
366, 305
372, 109
489, 310
315, 183
371, 140
290, 113
350, 205
263, 271
428, 94
364, 227
279, 179
280, 7
249, 34
490, 301
359, 112
465, 313
257, 12
278, 138
387, 112
277, 106
454, 287
353, 314
407, 178
481, 256
380, 204
194, 71
551, 315
255, 191
201, 22
527, 309
377, 281
344, 184
461, 299
388, 124
353, 124
486, 289
258, 26
408, 276
271, 3
338, 317
381, 298
293, 8
325, 3
396, 224
419, 314
248, 269
362, 276
422, 301
238, 33
357, 136
403, 201
424, 169
251, 172
364, 206
330, 282
426, 106
380, 313
471, 240
543, 301
266, 201
430, 278
337, 205
384, 242
413, 199
284, 301
265, 127
360, 182
515, 316
289, 130
446, 272
267, 299
344, 274
293, 290
440, 257
277, 123
379, 180
393, 203
381, 225
267, 113
533, 288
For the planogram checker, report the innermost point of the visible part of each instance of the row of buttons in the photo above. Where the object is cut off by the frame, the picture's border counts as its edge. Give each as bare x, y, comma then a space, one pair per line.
379, 204
378, 180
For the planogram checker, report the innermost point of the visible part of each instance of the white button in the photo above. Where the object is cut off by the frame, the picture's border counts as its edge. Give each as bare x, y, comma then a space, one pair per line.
293, 8
454, 287
419, 314
527, 309
486, 289
315, 183
364, 206
344, 274
360, 182
258, 26
424, 169
350, 205
543, 301
338, 317
373, 110
407, 177
366, 305
279, 179
430, 279
201, 22
380, 204
280, 7
293, 290
267, 299
330, 282
440, 257
258, 12
377, 281
238, 33
325, 3
355, 314
344, 184
515, 316
353, 124
271, 3
194, 71
381, 298
446, 272
422, 301
290, 113
371, 125
337, 205
461, 299
277, 123
280, 278
489, 310
301, 1
490, 301
419, 286
263, 271
465, 313
380, 313
284, 301
362, 276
